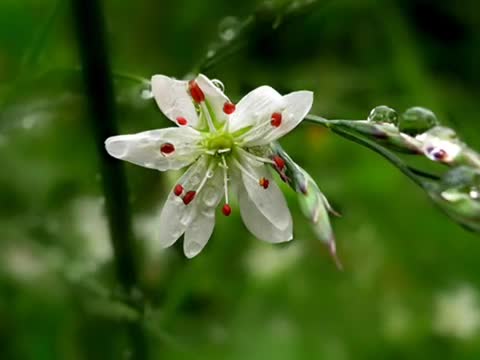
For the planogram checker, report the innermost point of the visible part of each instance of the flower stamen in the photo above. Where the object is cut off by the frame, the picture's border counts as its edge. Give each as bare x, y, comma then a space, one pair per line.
226, 209
279, 162
167, 149
195, 92
276, 119
264, 182
228, 108
205, 111
189, 196
178, 190
181, 121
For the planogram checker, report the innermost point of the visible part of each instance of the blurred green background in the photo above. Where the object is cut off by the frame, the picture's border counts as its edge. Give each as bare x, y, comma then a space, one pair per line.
411, 285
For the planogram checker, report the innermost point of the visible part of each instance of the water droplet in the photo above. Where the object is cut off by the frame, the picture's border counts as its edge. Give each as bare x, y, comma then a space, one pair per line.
209, 174
210, 53
383, 114
186, 217
195, 179
417, 120
211, 196
219, 84
208, 212
228, 28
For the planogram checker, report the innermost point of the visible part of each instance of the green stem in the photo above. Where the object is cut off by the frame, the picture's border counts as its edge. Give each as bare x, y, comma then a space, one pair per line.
413, 174
90, 33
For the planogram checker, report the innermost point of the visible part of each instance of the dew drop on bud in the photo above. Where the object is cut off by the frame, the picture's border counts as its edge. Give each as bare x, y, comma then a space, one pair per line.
417, 120
167, 149
383, 114
226, 210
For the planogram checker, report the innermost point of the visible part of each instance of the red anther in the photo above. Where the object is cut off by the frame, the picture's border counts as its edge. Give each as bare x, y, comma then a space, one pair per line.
264, 183
182, 121
276, 119
279, 162
226, 210
228, 108
189, 196
167, 149
195, 91
178, 190
440, 154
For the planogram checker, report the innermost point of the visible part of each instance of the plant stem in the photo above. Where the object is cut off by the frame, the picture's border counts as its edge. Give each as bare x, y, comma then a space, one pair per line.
88, 21
413, 174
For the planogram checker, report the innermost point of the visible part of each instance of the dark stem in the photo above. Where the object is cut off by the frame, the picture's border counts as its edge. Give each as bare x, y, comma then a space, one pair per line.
90, 33
395, 160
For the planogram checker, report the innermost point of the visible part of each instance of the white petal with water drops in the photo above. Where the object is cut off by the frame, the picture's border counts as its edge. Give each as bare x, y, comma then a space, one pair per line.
255, 108
257, 223
176, 216
270, 202
173, 99
296, 106
144, 148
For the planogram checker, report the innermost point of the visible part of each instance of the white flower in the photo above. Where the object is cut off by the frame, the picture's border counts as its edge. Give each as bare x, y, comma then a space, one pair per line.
222, 144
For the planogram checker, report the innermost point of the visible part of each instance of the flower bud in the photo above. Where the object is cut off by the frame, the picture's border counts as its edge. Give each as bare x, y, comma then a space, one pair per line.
458, 195
417, 120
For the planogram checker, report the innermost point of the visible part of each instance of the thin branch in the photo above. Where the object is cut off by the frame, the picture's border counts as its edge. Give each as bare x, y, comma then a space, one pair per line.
395, 160
90, 32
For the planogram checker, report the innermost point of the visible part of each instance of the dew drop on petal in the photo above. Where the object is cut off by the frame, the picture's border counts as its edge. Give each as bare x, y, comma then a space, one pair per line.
219, 84
186, 217
208, 212
211, 195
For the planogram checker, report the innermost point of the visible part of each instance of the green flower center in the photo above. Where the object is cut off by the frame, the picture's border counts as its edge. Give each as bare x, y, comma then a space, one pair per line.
219, 141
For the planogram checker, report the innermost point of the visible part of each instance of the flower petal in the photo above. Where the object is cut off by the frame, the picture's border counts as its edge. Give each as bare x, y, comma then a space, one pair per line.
200, 230
198, 234
145, 148
270, 201
173, 99
257, 223
176, 216
255, 108
214, 97
296, 106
